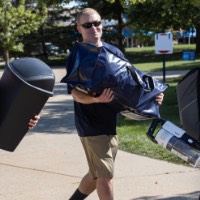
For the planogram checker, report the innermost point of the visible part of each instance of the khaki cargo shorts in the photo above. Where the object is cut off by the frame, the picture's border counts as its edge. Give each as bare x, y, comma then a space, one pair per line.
100, 152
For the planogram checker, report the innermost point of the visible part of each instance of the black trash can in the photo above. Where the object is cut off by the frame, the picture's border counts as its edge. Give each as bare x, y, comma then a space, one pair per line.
188, 96
25, 86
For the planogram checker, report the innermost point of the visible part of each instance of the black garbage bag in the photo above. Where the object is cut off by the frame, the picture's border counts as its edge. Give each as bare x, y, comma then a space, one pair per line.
92, 69
188, 95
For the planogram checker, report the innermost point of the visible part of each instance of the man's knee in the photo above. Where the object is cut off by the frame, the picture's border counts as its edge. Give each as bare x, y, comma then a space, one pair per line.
105, 182
105, 188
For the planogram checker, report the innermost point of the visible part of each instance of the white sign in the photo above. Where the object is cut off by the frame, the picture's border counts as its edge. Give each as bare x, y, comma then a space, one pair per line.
163, 43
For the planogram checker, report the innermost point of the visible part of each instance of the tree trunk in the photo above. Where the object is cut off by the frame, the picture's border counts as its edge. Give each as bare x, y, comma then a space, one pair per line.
198, 39
119, 9
44, 50
6, 57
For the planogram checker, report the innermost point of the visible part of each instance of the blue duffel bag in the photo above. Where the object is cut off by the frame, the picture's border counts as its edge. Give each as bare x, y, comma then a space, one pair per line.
91, 69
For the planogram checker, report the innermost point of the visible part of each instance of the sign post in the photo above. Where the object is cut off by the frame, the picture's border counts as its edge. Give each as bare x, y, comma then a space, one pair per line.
163, 45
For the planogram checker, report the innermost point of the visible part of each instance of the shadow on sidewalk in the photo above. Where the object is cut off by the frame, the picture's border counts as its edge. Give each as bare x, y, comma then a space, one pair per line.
57, 116
190, 196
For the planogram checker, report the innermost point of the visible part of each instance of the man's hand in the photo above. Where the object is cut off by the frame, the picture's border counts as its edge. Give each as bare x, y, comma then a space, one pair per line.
106, 96
159, 98
32, 123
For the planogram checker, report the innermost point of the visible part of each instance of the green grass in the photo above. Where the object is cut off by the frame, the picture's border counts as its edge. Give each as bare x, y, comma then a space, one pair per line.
146, 60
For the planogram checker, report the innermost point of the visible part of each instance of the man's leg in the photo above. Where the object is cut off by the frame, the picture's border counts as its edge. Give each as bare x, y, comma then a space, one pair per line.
86, 187
96, 148
105, 188
87, 184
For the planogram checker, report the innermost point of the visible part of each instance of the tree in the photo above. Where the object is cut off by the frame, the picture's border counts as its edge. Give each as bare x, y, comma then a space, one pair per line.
109, 9
158, 15
188, 13
17, 21
54, 31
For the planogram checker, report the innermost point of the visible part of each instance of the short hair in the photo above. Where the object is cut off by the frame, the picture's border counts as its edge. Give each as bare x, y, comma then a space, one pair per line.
86, 11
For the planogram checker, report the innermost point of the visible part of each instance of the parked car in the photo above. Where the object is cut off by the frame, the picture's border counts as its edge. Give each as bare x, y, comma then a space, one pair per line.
52, 49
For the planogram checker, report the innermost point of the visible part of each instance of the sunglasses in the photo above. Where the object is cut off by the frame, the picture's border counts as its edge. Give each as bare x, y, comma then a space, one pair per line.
90, 24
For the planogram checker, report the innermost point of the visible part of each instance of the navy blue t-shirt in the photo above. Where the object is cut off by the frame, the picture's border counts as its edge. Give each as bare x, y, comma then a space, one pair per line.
97, 118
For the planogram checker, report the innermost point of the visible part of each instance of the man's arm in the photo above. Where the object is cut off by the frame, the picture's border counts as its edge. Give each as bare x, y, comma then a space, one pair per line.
105, 97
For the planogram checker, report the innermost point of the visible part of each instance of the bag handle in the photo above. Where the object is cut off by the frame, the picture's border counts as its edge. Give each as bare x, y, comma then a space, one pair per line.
152, 128
146, 82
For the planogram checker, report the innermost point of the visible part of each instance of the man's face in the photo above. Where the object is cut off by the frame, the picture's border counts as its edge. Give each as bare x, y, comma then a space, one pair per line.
91, 33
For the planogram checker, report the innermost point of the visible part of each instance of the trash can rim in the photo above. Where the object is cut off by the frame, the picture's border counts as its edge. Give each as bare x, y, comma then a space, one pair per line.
21, 79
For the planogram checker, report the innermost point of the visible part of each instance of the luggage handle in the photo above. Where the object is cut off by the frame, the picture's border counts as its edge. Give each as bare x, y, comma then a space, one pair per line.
153, 127
146, 82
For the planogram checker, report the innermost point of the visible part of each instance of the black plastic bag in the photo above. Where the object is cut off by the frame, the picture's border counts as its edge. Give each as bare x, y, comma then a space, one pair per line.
92, 69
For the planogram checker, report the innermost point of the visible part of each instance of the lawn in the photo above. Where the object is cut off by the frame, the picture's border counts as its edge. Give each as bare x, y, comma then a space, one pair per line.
146, 60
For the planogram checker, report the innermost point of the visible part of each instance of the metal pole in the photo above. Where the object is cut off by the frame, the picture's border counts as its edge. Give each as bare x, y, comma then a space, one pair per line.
163, 68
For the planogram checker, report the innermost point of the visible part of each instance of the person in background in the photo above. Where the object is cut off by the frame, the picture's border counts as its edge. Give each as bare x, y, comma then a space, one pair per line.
95, 120
180, 36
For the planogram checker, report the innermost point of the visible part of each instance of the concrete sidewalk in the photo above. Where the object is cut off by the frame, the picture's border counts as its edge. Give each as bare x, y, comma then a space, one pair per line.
49, 162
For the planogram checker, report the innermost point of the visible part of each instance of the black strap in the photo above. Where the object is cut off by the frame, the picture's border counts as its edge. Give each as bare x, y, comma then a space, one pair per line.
146, 82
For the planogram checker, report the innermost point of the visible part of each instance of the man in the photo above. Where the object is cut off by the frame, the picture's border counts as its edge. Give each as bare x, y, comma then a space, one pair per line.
95, 120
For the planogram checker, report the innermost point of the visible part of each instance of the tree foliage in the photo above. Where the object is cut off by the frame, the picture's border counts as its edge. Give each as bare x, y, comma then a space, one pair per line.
17, 20
161, 15
59, 30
